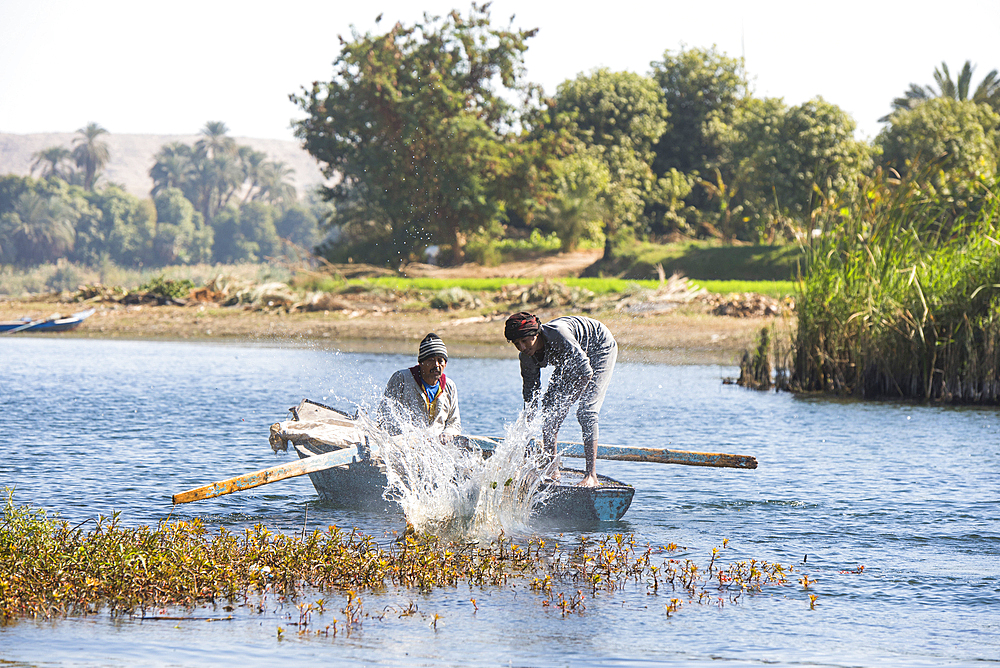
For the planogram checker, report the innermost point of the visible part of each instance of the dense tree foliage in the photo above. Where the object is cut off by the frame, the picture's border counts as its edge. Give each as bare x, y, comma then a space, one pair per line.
700, 87
955, 135
616, 117
430, 131
431, 136
250, 198
216, 172
579, 207
118, 227
780, 163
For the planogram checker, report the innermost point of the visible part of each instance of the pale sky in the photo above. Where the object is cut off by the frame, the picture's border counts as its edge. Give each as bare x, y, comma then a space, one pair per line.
139, 67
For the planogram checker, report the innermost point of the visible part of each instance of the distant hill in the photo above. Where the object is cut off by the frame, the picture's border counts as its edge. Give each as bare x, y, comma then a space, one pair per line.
132, 156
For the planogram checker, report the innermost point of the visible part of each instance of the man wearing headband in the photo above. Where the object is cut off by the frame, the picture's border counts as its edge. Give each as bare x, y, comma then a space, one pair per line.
422, 394
582, 353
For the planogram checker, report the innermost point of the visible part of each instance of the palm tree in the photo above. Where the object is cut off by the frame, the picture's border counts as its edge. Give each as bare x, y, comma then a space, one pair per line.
275, 183
50, 162
214, 141
90, 154
252, 163
987, 92
43, 229
172, 169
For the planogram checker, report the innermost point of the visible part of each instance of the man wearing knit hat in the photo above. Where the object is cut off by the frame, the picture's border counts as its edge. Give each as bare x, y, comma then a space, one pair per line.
582, 353
422, 394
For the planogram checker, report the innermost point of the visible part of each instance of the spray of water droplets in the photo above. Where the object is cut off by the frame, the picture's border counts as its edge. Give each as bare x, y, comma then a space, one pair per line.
451, 490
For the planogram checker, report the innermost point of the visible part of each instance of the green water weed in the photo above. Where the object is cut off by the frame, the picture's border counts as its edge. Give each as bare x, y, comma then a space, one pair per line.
49, 568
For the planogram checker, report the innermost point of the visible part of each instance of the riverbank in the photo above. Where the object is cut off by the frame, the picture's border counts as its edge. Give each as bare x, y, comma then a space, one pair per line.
689, 336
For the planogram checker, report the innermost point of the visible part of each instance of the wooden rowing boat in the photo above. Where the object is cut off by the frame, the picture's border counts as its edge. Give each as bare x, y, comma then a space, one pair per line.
361, 482
333, 450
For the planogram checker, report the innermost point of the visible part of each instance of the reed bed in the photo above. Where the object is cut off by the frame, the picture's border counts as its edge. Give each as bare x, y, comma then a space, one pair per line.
51, 569
901, 296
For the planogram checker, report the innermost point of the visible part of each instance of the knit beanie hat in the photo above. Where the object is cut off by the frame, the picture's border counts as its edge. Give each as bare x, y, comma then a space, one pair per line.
432, 346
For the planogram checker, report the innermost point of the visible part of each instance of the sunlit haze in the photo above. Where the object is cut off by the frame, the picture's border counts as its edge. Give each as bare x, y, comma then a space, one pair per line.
167, 68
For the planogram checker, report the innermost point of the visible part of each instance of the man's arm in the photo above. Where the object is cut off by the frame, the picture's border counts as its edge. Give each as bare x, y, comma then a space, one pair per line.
391, 401
453, 425
571, 373
531, 379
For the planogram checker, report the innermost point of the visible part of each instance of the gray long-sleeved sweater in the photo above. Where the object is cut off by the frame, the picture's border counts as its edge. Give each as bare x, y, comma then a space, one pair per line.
582, 352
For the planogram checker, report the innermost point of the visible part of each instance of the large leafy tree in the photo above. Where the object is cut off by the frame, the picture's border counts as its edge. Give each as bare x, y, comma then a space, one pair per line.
427, 127
117, 227
987, 92
778, 164
181, 235
298, 225
578, 208
619, 117
91, 153
700, 86
953, 140
246, 234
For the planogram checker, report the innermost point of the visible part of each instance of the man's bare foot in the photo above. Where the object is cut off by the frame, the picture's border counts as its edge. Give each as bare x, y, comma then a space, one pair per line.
590, 481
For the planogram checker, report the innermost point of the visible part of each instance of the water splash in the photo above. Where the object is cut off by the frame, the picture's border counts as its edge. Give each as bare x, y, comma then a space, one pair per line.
448, 488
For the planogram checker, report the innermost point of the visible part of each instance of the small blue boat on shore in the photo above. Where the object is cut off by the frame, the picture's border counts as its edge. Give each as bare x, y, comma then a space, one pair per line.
54, 323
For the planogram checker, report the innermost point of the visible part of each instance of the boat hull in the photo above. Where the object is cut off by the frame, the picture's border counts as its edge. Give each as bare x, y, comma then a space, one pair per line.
49, 325
317, 429
360, 485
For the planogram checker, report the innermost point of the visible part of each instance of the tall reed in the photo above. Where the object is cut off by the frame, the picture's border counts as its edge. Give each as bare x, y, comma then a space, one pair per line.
900, 296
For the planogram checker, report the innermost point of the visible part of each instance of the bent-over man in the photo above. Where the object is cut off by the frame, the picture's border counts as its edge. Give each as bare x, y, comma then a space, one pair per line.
582, 353
422, 394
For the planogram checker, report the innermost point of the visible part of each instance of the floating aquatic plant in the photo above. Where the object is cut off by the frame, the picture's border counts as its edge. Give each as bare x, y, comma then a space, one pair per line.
49, 568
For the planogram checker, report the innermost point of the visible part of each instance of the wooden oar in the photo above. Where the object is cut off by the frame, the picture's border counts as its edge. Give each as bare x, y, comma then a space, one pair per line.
634, 454
630, 453
30, 323
275, 473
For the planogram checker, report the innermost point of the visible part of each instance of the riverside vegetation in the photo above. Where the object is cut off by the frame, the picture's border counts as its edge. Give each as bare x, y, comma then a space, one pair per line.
900, 297
51, 569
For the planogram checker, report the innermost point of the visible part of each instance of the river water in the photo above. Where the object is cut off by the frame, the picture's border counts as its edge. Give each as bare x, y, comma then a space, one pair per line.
910, 492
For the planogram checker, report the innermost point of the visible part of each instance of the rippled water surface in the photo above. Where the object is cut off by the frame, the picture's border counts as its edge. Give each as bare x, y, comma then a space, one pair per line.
910, 492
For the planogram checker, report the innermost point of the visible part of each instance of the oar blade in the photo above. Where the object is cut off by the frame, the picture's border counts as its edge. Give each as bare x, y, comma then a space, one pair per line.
273, 474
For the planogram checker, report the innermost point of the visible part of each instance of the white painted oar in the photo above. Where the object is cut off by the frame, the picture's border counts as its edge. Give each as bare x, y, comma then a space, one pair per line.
273, 474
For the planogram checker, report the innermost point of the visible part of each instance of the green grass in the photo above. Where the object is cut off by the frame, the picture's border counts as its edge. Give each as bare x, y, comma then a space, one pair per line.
712, 261
67, 276
599, 286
